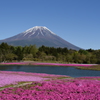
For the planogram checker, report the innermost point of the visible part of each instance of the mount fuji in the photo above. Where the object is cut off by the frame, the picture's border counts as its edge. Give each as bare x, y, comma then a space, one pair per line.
39, 36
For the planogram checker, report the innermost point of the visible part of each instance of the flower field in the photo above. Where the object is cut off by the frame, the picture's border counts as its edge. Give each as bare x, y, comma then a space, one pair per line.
36, 86
51, 64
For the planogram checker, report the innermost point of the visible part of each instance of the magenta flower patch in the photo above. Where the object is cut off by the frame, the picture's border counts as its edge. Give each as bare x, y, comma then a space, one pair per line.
7, 78
56, 64
54, 88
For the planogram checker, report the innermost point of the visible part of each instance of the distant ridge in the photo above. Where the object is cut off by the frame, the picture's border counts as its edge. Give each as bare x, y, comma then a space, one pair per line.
39, 36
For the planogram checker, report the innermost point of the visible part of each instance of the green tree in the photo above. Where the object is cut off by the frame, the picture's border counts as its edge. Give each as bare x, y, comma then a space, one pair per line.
19, 53
69, 58
41, 55
33, 50
10, 57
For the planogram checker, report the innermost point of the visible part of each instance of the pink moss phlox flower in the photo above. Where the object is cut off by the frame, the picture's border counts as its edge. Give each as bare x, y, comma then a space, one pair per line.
74, 89
7, 78
52, 64
83, 88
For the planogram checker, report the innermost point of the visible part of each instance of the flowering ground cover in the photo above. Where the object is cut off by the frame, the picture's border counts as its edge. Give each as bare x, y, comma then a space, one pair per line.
48, 87
8, 77
12, 78
79, 66
56, 64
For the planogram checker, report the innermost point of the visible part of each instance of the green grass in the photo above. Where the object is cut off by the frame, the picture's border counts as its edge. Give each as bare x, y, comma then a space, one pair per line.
64, 77
18, 84
95, 67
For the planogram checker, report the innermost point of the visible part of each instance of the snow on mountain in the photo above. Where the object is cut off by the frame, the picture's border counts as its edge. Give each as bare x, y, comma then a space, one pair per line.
41, 30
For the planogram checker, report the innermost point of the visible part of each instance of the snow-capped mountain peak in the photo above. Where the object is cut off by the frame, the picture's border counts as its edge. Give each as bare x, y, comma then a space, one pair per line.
41, 30
39, 35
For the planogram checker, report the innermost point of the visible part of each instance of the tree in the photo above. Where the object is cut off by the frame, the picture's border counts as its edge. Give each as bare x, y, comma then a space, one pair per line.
41, 55
19, 53
10, 57
33, 50
88, 58
28, 57
81, 51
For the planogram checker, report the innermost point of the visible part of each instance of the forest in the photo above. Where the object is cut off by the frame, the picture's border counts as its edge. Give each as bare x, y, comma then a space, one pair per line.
10, 53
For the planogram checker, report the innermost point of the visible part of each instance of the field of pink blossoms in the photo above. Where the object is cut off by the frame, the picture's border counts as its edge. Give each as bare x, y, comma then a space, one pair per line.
51, 64
47, 87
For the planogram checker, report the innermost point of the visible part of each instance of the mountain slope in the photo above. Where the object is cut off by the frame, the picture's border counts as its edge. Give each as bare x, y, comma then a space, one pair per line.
39, 36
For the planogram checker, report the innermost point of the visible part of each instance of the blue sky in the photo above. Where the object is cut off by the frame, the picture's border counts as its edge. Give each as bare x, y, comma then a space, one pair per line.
76, 21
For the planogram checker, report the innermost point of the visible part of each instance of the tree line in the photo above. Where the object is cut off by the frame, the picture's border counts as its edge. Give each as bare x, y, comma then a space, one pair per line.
10, 53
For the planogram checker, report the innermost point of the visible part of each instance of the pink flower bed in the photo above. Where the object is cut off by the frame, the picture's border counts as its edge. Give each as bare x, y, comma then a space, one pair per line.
14, 63
52, 64
9, 77
83, 88
64, 89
